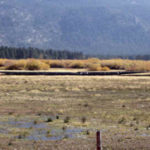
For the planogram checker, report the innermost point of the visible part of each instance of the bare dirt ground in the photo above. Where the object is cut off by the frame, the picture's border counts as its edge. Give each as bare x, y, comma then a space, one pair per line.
64, 112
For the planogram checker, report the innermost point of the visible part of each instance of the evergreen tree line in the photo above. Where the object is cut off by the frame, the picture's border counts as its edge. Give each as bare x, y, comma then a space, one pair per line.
23, 53
131, 57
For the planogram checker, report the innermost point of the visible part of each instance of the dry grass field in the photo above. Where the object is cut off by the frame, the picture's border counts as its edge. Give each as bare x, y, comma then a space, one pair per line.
64, 112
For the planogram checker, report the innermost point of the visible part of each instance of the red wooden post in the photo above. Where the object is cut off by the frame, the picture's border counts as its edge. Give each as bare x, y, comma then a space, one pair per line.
99, 142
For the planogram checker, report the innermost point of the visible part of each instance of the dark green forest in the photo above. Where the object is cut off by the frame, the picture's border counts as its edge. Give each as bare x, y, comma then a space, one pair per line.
23, 53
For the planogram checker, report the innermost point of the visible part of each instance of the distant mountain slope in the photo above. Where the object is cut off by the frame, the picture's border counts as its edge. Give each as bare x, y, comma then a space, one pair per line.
91, 26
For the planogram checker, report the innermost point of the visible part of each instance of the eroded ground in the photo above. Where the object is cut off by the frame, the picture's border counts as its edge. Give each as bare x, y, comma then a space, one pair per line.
64, 112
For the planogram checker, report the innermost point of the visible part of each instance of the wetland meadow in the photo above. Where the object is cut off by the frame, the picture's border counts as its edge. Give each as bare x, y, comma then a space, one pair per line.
64, 112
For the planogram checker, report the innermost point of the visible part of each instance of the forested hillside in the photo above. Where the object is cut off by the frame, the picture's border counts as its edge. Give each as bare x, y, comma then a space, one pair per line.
115, 27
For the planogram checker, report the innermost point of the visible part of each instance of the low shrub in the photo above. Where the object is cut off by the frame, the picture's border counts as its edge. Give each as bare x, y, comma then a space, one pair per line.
77, 64
33, 64
128, 65
64, 128
57, 117
83, 119
15, 65
87, 132
105, 68
138, 66
117, 64
44, 66
94, 67
2, 62
49, 119
46, 62
35, 122
122, 120
93, 61
67, 119
10, 143
57, 64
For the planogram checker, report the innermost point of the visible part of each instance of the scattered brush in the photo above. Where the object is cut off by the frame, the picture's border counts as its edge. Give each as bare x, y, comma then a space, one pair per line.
10, 143
39, 114
86, 105
35, 122
136, 129
83, 119
48, 133
57, 117
22, 135
64, 128
10, 113
122, 120
87, 132
148, 127
49, 119
67, 119
66, 136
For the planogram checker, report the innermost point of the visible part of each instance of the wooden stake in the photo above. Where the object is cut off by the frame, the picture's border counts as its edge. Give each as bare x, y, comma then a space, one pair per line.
99, 140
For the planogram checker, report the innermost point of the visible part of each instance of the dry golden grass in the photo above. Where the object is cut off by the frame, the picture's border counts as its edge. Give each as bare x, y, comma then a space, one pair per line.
92, 64
128, 65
